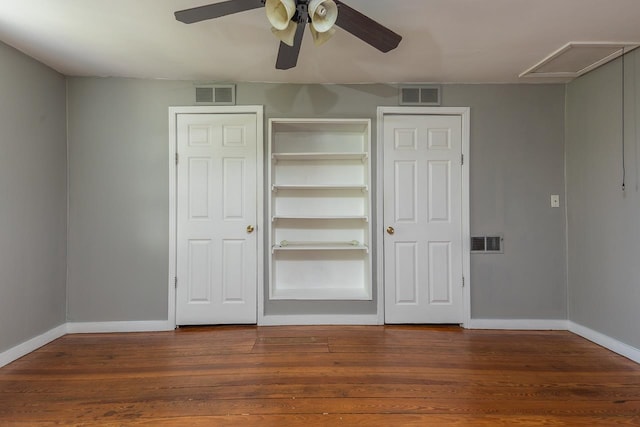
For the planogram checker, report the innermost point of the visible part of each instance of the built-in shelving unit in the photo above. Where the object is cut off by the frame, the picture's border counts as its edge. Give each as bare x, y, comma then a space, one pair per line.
319, 178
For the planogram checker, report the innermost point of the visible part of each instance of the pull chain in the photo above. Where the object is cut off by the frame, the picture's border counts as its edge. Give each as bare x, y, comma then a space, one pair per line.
624, 169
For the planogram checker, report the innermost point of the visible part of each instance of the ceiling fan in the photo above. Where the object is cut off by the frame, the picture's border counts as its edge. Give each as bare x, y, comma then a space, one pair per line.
289, 18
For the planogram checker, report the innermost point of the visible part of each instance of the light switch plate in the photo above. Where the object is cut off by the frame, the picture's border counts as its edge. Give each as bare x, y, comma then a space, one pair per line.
555, 201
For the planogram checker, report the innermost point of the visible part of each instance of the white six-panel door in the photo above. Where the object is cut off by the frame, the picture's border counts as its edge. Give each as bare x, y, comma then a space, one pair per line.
216, 219
422, 219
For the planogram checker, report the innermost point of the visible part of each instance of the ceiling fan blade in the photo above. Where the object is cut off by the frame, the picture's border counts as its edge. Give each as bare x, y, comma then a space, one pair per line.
216, 10
366, 28
288, 55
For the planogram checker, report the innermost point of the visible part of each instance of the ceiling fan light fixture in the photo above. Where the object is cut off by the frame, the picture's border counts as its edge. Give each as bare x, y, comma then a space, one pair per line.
321, 38
323, 14
280, 12
287, 35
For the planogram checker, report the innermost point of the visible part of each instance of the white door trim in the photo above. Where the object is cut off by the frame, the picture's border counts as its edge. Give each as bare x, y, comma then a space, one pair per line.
258, 110
464, 113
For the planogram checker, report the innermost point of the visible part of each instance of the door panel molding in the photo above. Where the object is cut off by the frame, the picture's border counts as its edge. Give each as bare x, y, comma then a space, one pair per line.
232, 138
438, 139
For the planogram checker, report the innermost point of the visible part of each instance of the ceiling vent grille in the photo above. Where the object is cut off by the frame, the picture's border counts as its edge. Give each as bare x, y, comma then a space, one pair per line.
487, 244
420, 95
216, 95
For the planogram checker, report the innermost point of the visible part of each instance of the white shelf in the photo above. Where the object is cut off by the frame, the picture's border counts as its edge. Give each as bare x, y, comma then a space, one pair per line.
320, 247
321, 217
277, 187
321, 294
320, 156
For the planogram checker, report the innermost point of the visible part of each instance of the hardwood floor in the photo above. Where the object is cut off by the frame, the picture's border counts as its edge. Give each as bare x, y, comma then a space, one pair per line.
321, 376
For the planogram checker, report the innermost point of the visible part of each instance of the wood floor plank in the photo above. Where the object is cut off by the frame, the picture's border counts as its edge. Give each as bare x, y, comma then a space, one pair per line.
321, 375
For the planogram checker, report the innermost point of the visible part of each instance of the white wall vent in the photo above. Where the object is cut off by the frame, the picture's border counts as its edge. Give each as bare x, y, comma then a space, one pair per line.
420, 95
487, 244
216, 94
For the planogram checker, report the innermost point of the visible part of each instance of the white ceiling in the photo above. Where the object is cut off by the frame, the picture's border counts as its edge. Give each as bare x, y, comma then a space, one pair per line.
464, 41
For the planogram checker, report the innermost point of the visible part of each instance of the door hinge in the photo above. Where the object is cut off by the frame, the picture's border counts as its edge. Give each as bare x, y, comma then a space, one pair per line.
463, 281
176, 158
462, 159
175, 282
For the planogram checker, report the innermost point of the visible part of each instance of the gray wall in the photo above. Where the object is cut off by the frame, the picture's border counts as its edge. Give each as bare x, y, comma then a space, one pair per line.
604, 221
118, 199
33, 201
517, 162
118, 148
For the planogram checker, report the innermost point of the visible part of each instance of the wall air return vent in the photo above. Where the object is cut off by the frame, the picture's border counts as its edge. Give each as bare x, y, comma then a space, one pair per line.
420, 95
577, 58
487, 244
216, 95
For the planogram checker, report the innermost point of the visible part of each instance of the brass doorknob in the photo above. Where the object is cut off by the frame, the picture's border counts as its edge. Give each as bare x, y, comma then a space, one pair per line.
250, 228
390, 230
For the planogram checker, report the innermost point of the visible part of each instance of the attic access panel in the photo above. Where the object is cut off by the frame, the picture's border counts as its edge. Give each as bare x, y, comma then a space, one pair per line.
577, 58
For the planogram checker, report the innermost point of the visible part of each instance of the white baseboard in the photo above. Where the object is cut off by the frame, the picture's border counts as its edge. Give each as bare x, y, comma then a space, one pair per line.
603, 340
519, 324
35, 343
606, 341
107, 327
319, 319
27, 347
